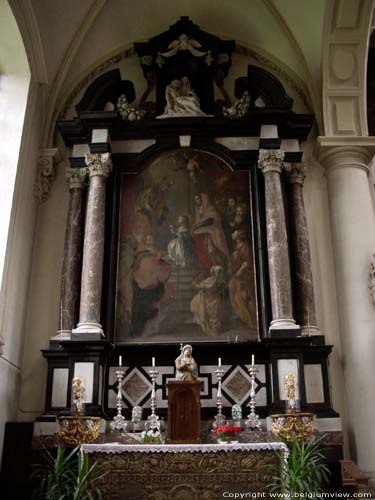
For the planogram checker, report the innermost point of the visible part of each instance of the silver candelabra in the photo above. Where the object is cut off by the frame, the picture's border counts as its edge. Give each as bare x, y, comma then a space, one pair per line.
119, 422
153, 421
252, 422
219, 419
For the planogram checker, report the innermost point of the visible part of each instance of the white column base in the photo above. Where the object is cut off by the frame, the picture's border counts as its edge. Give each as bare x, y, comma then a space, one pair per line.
284, 324
308, 331
62, 335
88, 330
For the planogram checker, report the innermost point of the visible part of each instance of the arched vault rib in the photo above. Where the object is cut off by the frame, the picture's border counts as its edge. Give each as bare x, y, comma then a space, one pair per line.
345, 49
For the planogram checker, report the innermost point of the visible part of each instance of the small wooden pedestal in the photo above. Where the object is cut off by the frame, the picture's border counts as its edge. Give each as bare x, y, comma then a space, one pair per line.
184, 417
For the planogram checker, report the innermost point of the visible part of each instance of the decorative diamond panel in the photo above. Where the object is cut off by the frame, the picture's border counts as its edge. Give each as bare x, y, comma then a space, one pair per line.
136, 387
237, 385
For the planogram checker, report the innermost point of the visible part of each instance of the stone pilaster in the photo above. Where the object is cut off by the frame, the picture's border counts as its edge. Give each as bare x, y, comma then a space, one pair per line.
305, 302
352, 218
98, 168
271, 163
72, 263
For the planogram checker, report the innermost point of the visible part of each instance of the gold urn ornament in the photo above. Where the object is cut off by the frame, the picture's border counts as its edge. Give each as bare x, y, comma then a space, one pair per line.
76, 430
288, 425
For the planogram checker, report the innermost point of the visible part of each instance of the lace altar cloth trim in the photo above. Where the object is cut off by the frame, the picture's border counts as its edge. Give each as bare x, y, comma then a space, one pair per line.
178, 448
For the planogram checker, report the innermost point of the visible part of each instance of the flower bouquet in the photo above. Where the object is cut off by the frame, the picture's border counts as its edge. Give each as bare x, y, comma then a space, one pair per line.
151, 436
227, 433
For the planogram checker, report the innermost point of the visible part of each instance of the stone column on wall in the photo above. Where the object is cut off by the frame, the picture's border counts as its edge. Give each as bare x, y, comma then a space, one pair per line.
352, 220
305, 302
98, 168
72, 263
271, 163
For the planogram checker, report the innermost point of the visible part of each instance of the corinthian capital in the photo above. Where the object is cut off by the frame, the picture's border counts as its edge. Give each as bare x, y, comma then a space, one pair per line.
270, 160
296, 173
98, 164
75, 177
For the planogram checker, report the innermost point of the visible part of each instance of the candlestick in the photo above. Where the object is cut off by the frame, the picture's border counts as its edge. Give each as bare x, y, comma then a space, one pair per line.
119, 422
252, 360
120, 360
219, 419
252, 422
153, 422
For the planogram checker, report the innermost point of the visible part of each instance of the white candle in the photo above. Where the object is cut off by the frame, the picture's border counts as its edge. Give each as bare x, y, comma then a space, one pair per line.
252, 360
120, 360
219, 361
153, 362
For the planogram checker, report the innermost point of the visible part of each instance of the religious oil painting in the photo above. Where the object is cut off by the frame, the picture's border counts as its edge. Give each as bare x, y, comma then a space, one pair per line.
186, 259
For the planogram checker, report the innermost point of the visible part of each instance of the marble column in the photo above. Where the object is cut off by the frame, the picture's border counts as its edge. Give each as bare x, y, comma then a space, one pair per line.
271, 163
98, 168
352, 217
305, 302
72, 263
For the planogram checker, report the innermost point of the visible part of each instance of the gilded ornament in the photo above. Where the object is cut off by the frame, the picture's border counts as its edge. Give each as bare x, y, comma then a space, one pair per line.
76, 430
287, 425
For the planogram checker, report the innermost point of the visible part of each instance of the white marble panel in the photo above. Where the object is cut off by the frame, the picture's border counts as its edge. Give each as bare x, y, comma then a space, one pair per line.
100, 135
269, 132
284, 367
239, 143
314, 383
328, 424
132, 146
85, 370
289, 145
184, 140
59, 387
80, 150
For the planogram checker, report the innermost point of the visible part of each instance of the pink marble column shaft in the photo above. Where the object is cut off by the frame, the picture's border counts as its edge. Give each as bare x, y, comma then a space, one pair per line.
72, 263
271, 164
98, 168
305, 303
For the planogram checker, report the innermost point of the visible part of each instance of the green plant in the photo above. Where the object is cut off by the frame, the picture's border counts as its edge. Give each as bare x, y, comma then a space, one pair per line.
65, 477
304, 472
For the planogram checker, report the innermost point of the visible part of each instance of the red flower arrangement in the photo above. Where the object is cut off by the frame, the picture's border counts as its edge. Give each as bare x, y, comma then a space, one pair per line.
227, 432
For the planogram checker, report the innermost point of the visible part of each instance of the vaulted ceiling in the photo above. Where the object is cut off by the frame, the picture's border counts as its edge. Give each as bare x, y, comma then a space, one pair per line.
75, 35
65, 38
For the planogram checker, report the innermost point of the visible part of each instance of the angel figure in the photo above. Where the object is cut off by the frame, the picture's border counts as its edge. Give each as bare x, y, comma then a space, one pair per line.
184, 42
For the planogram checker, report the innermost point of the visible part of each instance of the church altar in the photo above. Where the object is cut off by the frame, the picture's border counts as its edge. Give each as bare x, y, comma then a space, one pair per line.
182, 471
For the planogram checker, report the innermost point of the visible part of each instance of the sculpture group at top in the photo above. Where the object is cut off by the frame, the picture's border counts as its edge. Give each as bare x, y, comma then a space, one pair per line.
181, 100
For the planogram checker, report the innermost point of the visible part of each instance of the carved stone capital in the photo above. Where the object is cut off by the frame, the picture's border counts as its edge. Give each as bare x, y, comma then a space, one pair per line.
296, 173
270, 160
98, 164
46, 173
76, 177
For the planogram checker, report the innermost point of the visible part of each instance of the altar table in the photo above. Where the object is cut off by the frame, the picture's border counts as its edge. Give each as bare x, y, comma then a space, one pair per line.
182, 472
